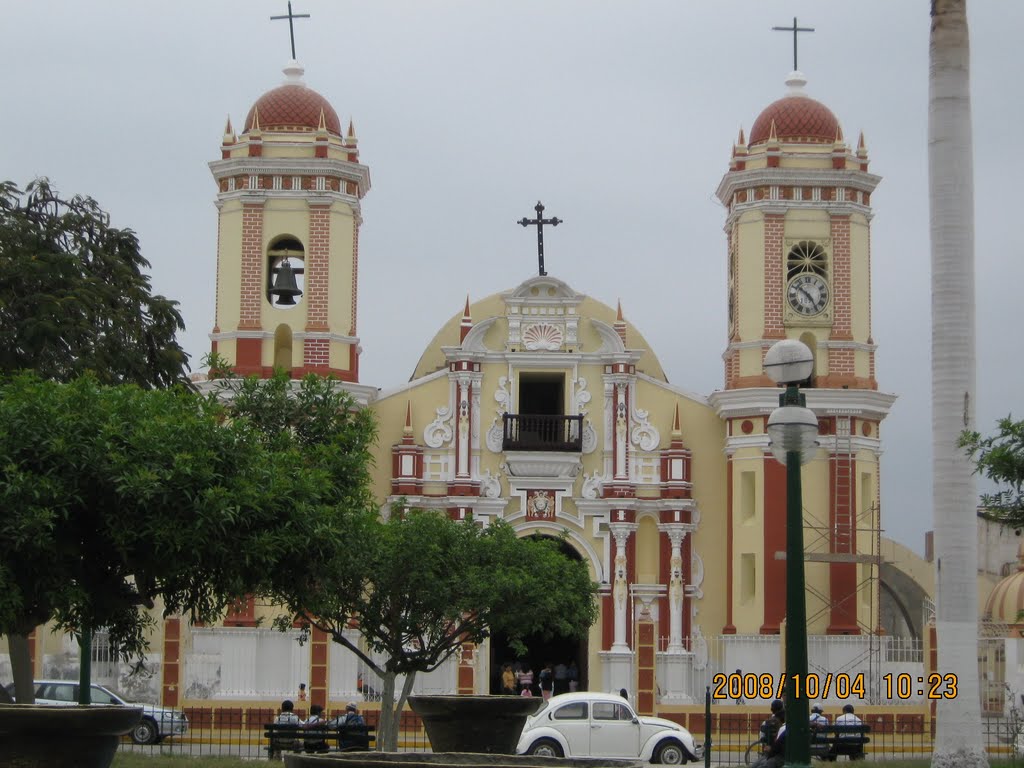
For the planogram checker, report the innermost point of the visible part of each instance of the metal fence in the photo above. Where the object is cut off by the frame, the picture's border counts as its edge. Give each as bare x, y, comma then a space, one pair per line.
238, 732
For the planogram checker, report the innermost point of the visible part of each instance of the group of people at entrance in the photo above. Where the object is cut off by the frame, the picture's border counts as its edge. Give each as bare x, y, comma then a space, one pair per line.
773, 731
518, 679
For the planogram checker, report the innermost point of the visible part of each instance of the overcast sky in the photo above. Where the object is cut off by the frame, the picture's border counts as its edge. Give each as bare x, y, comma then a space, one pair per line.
619, 115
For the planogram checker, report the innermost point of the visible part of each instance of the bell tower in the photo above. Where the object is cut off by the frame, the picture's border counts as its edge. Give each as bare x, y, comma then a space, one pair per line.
798, 202
288, 200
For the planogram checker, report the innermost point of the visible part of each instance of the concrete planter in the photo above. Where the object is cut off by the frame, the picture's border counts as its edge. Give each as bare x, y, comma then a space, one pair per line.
490, 724
62, 737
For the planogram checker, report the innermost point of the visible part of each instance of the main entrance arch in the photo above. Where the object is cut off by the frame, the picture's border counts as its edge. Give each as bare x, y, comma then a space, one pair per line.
540, 650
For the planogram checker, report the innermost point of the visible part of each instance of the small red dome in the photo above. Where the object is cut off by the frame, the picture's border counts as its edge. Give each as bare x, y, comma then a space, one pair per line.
797, 118
293, 107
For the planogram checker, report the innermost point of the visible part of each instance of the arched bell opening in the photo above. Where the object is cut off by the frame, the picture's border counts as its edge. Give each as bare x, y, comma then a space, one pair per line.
286, 273
541, 650
283, 347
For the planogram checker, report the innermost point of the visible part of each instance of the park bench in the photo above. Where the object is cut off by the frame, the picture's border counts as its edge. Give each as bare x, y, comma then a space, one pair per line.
318, 738
830, 741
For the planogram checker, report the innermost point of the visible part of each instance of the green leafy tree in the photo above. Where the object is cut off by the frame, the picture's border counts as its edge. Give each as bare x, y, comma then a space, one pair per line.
116, 496
419, 585
74, 296
1000, 458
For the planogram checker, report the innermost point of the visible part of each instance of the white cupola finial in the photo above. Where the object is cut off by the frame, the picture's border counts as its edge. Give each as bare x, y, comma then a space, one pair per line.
293, 72
796, 82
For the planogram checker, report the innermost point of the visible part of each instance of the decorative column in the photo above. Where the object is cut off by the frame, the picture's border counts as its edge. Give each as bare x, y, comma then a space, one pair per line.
621, 433
676, 533
467, 378
618, 660
620, 585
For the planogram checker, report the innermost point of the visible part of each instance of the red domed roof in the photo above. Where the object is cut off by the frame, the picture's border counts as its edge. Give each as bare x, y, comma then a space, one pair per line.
293, 107
797, 118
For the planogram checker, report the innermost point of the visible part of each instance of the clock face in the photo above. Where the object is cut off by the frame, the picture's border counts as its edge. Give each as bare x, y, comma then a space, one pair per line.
808, 294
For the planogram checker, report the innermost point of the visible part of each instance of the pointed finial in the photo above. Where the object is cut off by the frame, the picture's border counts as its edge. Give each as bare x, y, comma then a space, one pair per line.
742, 140
839, 134
255, 124
227, 127
407, 429
322, 124
677, 430
773, 134
620, 324
862, 148
467, 322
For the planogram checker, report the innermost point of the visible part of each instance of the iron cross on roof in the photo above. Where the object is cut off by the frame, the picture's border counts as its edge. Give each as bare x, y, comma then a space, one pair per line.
794, 29
291, 26
539, 222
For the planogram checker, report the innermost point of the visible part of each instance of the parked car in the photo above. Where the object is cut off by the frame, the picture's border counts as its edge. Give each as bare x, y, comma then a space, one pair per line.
604, 725
157, 722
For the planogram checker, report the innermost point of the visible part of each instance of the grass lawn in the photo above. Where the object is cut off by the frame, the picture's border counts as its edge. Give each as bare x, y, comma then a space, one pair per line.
136, 760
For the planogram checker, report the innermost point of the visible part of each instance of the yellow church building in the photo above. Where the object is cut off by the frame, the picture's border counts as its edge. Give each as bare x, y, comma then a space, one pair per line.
547, 409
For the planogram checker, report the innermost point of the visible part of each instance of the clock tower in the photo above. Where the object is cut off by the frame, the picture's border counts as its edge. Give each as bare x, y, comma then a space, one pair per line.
798, 202
288, 198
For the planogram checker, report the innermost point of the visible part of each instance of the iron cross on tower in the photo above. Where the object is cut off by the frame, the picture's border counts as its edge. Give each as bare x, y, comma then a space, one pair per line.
540, 221
794, 29
291, 26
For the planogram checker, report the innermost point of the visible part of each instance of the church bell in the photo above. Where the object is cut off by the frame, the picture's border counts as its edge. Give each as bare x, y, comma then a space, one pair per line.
285, 287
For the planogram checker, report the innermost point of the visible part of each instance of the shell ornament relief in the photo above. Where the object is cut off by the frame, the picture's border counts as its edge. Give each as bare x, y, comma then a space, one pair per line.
543, 336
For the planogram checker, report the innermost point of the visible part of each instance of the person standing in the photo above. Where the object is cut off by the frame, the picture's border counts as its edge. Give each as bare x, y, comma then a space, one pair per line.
526, 678
508, 681
561, 678
547, 681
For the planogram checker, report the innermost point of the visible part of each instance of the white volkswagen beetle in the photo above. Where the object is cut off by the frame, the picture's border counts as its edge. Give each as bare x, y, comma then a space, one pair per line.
604, 725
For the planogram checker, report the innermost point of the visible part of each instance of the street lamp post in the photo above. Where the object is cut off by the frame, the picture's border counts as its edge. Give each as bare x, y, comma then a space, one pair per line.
792, 429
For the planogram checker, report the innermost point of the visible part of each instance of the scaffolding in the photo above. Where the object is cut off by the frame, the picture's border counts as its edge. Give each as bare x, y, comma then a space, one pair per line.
840, 538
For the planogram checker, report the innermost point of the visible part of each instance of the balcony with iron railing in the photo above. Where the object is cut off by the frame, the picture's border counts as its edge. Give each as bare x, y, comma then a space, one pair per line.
542, 432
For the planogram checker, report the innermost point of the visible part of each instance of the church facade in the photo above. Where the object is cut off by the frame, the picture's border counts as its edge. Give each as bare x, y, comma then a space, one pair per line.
547, 409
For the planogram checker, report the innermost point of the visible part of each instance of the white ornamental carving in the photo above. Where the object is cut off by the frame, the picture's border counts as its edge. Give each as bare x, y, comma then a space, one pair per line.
697, 578
542, 336
495, 436
490, 485
644, 434
593, 485
699, 647
439, 431
589, 437
582, 396
496, 432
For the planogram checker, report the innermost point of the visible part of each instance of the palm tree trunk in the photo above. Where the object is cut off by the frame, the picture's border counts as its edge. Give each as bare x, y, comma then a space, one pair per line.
951, 198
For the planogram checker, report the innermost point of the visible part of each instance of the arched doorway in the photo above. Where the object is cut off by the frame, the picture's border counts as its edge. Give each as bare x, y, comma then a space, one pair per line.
540, 650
